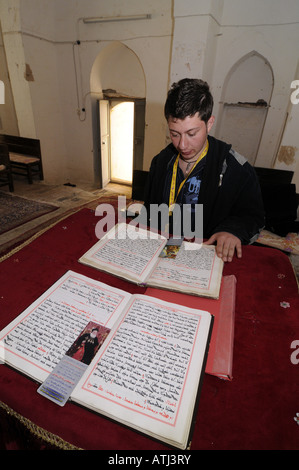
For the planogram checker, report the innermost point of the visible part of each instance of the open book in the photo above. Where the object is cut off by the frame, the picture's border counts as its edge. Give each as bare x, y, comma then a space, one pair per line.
148, 355
134, 254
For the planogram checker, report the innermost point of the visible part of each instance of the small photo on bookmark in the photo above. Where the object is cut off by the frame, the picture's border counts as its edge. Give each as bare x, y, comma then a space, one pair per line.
61, 382
171, 248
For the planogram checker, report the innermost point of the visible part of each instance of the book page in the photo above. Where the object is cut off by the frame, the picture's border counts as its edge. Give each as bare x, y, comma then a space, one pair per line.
126, 252
220, 358
147, 372
37, 339
195, 270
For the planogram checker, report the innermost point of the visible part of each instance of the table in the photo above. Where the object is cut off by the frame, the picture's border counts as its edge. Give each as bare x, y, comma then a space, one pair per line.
253, 411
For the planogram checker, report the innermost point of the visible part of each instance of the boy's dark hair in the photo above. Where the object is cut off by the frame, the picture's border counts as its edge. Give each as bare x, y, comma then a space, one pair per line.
188, 97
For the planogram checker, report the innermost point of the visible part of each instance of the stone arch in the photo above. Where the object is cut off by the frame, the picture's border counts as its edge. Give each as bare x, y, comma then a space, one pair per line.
245, 100
117, 73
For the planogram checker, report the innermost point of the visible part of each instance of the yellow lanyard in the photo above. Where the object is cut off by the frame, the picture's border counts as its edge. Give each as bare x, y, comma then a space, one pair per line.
172, 197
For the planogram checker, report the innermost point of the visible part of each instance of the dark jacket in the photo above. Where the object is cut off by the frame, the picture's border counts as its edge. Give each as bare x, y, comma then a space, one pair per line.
229, 191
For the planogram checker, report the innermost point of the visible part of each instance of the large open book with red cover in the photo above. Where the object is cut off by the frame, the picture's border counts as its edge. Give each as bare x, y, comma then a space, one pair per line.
136, 359
134, 254
220, 358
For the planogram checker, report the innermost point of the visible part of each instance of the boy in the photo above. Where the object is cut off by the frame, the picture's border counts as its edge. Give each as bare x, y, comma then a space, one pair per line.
199, 169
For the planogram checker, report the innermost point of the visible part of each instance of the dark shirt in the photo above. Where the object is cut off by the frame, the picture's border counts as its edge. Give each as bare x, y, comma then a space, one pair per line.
229, 191
190, 191
188, 194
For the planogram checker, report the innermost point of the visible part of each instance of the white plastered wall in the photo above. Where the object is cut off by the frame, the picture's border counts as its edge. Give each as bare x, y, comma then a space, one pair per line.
182, 38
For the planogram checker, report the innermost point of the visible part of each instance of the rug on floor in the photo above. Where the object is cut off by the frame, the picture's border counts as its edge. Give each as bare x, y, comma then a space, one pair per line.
16, 210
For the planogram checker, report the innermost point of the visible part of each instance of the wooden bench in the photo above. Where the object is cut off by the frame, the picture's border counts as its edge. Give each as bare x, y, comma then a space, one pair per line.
280, 200
25, 156
138, 184
5, 168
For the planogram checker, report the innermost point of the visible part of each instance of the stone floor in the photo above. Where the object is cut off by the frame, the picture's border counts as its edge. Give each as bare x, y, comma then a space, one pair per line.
67, 198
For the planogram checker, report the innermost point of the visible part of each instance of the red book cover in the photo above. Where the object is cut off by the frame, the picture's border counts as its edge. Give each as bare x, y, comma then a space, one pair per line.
220, 357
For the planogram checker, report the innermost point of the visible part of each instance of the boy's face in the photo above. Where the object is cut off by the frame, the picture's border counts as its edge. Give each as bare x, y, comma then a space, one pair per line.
189, 135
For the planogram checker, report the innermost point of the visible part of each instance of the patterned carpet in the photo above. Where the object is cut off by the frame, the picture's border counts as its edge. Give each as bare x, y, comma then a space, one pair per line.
15, 243
15, 211
295, 263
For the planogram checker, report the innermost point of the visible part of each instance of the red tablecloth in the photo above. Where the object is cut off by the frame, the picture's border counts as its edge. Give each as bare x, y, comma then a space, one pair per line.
253, 411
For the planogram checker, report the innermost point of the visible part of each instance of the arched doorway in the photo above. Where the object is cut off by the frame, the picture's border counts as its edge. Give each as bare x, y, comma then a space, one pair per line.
118, 87
245, 101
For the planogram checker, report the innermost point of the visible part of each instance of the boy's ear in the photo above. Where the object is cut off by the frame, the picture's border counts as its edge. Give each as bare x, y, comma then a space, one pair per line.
210, 123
